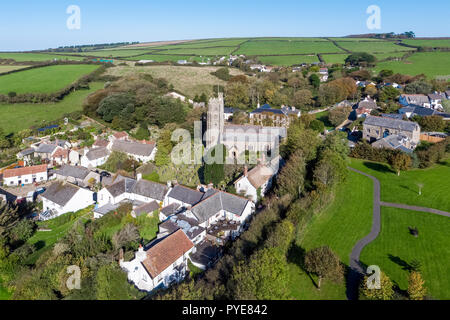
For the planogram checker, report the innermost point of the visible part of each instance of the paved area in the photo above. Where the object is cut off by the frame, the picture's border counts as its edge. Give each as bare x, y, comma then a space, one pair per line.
357, 270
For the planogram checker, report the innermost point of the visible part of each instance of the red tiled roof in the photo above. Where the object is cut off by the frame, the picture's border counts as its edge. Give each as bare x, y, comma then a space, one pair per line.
166, 252
101, 143
61, 153
9, 173
121, 134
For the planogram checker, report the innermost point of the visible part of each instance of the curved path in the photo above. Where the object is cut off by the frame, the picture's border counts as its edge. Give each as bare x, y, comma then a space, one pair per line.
356, 269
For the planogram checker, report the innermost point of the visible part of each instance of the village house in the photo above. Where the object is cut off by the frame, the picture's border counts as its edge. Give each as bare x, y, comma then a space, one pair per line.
120, 135
95, 157
266, 115
365, 107
25, 175
77, 175
419, 100
60, 156
26, 156
124, 189
143, 152
376, 128
162, 263
255, 183
189, 225
61, 197
436, 99
145, 209
45, 151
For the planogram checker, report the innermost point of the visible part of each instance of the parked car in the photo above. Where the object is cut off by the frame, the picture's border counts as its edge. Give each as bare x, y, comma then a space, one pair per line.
105, 174
40, 190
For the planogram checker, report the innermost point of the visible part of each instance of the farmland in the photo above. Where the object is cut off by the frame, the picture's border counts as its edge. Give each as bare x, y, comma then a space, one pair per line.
444, 43
432, 64
16, 117
21, 57
213, 51
288, 60
395, 248
43, 80
185, 79
114, 53
335, 58
7, 68
372, 47
276, 47
166, 57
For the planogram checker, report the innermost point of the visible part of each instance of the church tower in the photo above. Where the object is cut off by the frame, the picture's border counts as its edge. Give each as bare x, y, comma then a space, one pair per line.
215, 121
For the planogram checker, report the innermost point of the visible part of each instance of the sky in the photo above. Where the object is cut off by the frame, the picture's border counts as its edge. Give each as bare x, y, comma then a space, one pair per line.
42, 24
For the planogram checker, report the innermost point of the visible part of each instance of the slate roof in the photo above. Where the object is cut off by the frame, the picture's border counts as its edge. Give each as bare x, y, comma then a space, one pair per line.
97, 153
189, 226
419, 99
185, 195
391, 123
73, 171
146, 208
165, 252
135, 148
26, 152
392, 115
392, 142
268, 108
170, 209
46, 148
142, 187
229, 110
437, 96
150, 189
219, 201
100, 143
252, 133
60, 193
420, 111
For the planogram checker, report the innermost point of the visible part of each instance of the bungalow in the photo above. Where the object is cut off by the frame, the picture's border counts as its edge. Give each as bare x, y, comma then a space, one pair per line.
161, 264
77, 175
25, 175
143, 152
95, 157
61, 197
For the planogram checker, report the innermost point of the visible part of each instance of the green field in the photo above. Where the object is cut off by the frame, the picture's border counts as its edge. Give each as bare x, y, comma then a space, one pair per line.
114, 53
432, 64
444, 43
166, 57
372, 47
335, 58
403, 188
43, 80
204, 44
346, 221
339, 226
288, 60
286, 47
395, 248
16, 117
20, 57
384, 56
200, 51
7, 68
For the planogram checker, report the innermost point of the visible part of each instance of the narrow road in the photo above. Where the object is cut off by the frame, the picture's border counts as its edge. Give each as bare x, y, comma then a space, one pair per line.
357, 270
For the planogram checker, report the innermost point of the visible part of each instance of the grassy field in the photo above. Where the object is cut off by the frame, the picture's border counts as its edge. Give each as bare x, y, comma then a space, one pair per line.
431, 64
7, 68
186, 79
347, 220
20, 57
288, 60
335, 58
167, 57
372, 47
444, 43
383, 56
286, 47
114, 53
403, 188
43, 80
214, 51
339, 226
395, 248
16, 117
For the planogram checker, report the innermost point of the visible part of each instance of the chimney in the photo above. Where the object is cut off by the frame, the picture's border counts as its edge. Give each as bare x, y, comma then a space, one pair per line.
210, 185
139, 176
120, 256
169, 184
245, 171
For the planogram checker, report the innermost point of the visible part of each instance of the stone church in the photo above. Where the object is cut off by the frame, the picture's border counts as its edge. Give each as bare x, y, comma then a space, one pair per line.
239, 138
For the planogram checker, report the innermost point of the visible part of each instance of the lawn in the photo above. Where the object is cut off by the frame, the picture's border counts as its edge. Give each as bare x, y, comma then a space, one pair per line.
188, 80
347, 220
59, 227
323, 116
395, 248
16, 117
403, 188
287, 47
22, 56
45, 79
372, 46
288, 60
432, 64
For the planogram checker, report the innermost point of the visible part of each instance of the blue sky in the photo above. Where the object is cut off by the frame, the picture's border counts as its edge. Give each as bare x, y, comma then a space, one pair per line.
32, 24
